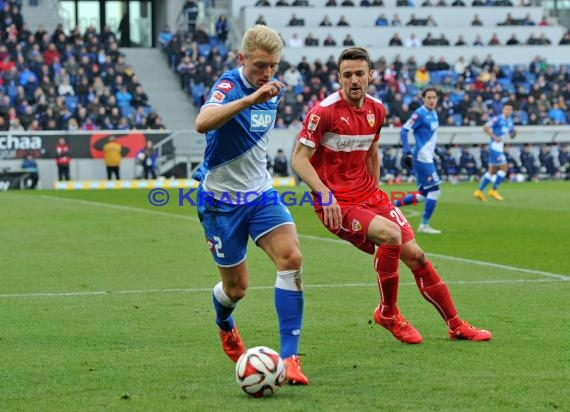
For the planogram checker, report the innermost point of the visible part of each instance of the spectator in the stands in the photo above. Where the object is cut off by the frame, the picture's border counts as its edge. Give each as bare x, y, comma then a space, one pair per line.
342, 21
222, 28
460, 41
413, 41
325, 22
395, 20
296, 21
467, 163
262, 3
528, 162
165, 37
395, 40
513, 40
476, 21
295, 41
381, 21
494, 40
331, 3
282, 3
348, 41
546, 159
311, 40
347, 3
200, 35
329, 41
261, 20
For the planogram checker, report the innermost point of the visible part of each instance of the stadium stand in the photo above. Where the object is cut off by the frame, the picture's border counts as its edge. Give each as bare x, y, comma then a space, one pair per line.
66, 81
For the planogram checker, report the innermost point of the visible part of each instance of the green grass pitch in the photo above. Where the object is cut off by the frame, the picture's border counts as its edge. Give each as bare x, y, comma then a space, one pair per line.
105, 304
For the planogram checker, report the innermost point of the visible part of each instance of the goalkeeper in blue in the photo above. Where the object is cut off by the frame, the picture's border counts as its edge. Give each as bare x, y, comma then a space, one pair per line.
498, 128
423, 123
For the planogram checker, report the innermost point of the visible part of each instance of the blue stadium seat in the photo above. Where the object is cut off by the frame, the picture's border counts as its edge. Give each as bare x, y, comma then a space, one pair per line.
127, 111
204, 49
457, 119
71, 103
197, 93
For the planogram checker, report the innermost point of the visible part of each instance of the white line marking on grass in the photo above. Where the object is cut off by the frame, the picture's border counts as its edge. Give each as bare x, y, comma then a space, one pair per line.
463, 260
194, 290
318, 238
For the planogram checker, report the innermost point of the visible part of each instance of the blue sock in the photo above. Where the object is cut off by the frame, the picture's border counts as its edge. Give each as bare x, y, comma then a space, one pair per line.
498, 181
224, 317
408, 200
289, 305
486, 180
428, 210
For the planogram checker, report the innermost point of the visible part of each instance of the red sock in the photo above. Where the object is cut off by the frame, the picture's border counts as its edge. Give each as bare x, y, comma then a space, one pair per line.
386, 265
435, 291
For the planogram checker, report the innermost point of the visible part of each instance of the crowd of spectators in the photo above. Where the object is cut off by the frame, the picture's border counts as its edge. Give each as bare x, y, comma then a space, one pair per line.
470, 91
67, 81
456, 164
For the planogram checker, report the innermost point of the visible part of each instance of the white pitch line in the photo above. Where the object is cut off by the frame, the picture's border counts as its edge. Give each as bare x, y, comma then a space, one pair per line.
318, 238
194, 290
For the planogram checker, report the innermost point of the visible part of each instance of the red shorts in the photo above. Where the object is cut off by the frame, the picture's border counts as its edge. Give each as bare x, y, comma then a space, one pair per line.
357, 217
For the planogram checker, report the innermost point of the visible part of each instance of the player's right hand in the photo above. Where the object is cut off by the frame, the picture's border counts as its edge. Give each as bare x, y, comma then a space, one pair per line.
332, 214
408, 160
267, 91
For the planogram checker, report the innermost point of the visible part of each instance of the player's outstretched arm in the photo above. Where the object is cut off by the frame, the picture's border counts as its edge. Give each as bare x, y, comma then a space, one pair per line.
300, 162
214, 116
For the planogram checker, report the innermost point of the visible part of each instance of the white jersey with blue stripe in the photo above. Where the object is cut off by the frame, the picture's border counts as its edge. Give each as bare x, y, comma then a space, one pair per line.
423, 123
235, 159
501, 127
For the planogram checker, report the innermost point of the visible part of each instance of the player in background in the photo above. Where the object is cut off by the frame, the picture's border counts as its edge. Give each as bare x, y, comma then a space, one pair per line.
497, 128
424, 124
237, 118
336, 155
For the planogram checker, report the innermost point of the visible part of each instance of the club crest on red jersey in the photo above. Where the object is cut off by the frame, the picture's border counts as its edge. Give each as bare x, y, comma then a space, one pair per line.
371, 119
356, 226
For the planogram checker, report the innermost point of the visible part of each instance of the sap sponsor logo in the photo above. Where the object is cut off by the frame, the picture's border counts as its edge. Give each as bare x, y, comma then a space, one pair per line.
11, 142
225, 86
217, 97
261, 120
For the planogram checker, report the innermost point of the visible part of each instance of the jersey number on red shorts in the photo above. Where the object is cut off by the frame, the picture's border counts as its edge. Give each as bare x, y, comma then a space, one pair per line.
399, 217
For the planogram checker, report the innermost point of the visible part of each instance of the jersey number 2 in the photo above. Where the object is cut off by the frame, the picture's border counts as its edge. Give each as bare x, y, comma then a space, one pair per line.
218, 247
399, 217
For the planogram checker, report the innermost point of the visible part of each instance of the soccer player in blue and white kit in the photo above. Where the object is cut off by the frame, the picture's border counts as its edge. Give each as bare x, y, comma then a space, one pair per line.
498, 128
424, 124
236, 199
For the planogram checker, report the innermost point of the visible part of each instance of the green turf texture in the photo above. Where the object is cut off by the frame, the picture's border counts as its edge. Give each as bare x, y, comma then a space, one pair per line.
105, 304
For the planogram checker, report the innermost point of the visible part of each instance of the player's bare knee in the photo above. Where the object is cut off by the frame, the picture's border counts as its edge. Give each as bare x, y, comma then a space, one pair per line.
414, 258
392, 235
291, 260
236, 293
289, 280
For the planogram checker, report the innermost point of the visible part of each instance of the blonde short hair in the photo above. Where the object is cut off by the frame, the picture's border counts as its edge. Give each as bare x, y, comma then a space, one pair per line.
261, 37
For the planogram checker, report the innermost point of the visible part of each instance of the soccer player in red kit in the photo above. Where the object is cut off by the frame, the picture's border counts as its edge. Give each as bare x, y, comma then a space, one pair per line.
337, 156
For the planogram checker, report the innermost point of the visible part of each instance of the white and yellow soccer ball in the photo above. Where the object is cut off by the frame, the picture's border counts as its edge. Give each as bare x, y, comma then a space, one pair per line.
260, 371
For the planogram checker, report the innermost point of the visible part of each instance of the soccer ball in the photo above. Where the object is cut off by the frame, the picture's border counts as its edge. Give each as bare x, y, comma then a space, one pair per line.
260, 371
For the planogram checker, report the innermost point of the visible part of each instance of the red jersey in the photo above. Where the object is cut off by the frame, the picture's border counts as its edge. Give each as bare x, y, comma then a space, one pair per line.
342, 136
62, 155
